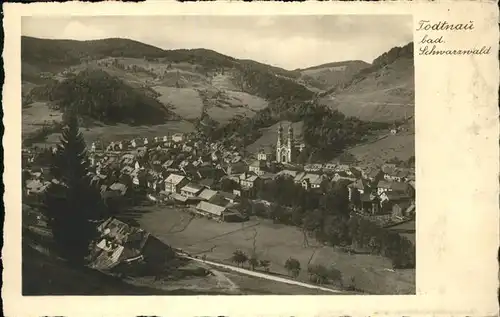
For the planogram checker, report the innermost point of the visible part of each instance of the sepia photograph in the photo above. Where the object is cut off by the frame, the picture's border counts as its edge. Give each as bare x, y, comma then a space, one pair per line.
200, 155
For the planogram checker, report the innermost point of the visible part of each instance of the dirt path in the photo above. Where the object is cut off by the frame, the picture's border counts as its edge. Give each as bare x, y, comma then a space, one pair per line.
265, 276
224, 282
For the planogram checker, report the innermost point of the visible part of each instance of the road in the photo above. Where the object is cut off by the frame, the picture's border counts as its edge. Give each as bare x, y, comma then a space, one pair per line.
264, 276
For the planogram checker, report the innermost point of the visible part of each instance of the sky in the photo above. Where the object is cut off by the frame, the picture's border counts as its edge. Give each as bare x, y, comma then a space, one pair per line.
285, 41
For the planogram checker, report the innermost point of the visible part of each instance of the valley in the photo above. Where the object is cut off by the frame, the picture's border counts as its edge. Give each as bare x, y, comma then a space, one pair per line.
176, 136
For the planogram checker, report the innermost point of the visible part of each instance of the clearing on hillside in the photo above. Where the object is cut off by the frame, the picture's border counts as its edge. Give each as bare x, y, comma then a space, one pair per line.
185, 102
222, 106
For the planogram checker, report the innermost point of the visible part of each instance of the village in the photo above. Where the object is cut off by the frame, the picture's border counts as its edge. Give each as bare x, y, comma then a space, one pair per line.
211, 179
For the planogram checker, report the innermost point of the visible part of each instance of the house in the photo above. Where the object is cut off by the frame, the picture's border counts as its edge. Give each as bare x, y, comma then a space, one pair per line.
191, 190
236, 168
211, 210
370, 203
265, 154
389, 199
396, 174
313, 167
286, 173
133, 143
174, 183
36, 187
187, 148
312, 181
359, 185
248, 180
177, 137
329, 167
207, 194
344, 175
257, 167
121, 243
385, 186
137, 166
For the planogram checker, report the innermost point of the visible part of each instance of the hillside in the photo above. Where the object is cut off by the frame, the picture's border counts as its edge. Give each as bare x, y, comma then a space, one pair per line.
326, 76
103, 97
383, 92
170, 74
242, 98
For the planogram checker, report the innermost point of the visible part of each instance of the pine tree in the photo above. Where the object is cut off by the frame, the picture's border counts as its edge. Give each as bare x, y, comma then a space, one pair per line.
71, 202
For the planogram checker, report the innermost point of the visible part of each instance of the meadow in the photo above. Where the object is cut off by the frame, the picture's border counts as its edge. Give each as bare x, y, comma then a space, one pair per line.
273, 242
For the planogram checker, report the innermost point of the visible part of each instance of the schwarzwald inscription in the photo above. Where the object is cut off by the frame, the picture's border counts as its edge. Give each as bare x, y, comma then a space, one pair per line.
432, 39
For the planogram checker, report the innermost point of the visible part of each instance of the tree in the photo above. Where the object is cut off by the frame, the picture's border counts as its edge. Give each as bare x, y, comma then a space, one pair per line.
239, 257
72, 203
265, 264
254, 262
318, 274
293, 267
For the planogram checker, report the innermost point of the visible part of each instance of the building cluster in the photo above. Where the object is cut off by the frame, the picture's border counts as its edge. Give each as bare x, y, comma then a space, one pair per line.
120, 243
181, 169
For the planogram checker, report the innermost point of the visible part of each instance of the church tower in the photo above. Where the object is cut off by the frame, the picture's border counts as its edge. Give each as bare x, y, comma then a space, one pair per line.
279, 144
290, 144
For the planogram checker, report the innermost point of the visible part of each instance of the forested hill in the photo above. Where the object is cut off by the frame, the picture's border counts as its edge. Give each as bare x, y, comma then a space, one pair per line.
105, 98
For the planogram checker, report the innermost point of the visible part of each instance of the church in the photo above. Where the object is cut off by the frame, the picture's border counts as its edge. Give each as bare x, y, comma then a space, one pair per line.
287, 150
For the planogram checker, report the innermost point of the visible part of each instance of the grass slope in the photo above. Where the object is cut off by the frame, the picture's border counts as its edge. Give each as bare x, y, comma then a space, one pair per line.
383, 92
401, 146
329, 75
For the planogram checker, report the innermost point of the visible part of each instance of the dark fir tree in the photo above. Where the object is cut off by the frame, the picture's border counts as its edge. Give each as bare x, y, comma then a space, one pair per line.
71, 203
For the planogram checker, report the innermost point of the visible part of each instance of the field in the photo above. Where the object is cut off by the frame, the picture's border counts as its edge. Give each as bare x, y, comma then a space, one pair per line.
223, 82
275, 243
270, 134
45, 274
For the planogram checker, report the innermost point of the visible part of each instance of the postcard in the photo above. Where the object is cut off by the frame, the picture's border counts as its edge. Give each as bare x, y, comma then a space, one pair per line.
251, 159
